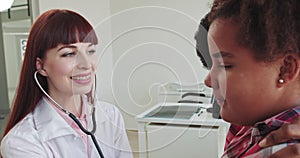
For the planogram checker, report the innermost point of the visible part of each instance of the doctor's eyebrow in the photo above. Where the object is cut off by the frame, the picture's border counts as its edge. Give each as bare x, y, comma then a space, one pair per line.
66, 46
222, 55
72, 46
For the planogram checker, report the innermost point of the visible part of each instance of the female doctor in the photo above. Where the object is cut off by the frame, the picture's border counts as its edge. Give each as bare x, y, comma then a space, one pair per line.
55, 113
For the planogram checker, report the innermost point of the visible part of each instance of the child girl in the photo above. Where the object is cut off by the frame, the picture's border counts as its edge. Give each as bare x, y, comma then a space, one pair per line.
254, 48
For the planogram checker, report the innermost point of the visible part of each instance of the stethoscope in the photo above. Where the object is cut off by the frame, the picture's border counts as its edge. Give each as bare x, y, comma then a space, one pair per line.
74, 118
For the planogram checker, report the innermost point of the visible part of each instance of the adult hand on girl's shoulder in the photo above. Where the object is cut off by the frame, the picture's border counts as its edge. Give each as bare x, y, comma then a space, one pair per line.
286, 132
291, 151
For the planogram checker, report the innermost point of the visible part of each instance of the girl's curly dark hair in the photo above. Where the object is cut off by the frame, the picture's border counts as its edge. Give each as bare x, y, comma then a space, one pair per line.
271, 28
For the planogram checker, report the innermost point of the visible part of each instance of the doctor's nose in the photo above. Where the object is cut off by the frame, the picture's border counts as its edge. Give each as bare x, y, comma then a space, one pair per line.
83, 62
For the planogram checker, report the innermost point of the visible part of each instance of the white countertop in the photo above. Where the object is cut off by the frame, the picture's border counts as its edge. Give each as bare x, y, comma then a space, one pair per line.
202, 117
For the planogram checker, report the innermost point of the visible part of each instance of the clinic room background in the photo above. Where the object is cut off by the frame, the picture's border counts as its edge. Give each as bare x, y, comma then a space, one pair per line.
147, 57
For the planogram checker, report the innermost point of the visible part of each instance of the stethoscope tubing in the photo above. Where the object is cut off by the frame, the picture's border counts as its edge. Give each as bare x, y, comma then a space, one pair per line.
90, 133
74, 118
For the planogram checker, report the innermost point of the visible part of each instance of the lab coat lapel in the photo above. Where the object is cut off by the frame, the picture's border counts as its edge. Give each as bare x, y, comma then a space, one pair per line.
49, 123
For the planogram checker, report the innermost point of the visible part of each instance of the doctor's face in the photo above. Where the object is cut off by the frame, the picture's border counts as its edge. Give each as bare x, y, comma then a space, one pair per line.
243, 87
70, 69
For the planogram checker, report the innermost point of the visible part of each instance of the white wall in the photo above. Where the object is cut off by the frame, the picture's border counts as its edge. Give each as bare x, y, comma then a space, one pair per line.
14, 29
144, 44
13, 59
153, 43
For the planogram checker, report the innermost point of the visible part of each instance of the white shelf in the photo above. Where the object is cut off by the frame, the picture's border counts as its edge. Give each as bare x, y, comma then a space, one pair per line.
167, 137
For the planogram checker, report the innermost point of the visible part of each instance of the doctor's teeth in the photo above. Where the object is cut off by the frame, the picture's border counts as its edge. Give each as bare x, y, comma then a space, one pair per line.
81, 77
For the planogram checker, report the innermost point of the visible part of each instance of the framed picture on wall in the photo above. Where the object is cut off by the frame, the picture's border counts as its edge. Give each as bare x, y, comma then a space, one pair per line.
23, 42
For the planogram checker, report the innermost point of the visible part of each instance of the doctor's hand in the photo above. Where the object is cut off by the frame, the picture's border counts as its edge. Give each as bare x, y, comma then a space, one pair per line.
286, 132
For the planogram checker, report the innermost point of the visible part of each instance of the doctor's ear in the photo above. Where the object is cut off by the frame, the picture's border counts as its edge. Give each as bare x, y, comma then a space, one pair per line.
39, 66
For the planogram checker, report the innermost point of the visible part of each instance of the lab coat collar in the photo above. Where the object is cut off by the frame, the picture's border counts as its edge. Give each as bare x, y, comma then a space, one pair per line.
50, 124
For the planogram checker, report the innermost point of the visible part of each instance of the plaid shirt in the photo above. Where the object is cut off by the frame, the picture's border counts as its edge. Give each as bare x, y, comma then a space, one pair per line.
242, 141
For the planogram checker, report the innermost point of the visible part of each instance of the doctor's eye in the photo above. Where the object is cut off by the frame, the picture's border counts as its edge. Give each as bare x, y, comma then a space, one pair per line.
92, 51
68, 54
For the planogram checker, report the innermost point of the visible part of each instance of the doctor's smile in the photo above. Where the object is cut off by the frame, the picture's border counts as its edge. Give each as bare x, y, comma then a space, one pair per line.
82, 79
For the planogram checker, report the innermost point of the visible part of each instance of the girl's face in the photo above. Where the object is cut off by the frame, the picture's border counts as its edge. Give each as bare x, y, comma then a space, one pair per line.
244, 87
70, 69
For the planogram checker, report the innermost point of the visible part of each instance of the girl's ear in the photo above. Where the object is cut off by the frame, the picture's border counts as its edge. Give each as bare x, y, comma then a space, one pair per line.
289, 69
39, 66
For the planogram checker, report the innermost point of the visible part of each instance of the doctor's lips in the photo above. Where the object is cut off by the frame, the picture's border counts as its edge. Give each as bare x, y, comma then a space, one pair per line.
86, 78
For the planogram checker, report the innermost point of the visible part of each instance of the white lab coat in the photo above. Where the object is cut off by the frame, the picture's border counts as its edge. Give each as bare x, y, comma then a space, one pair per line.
44, 133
